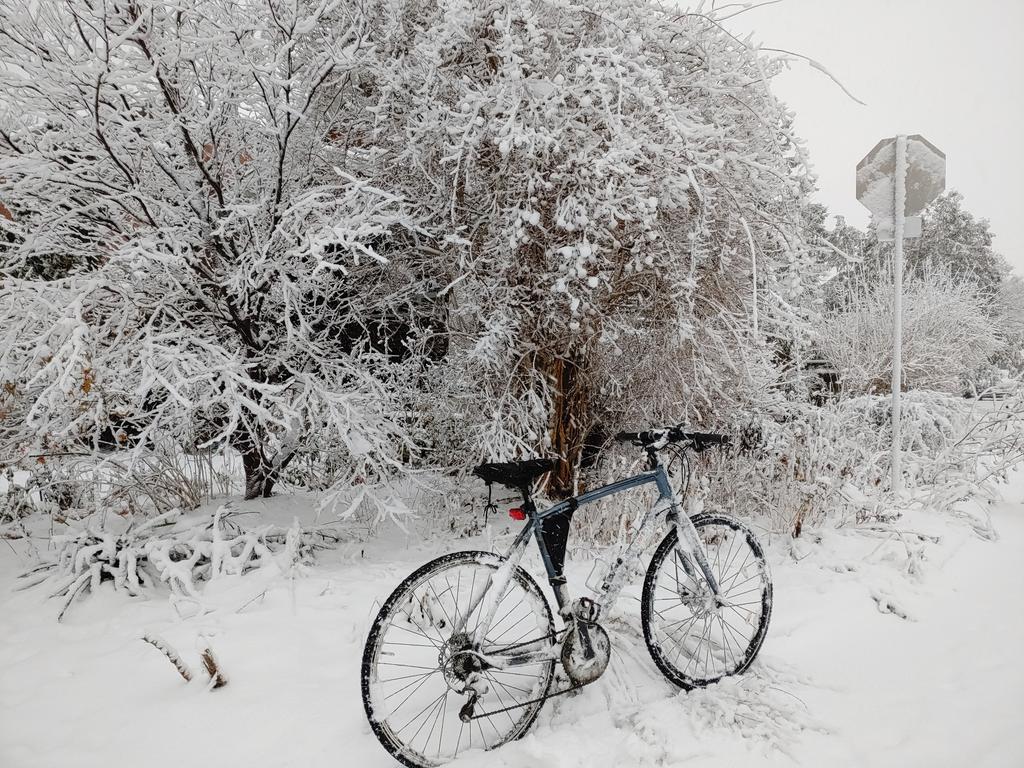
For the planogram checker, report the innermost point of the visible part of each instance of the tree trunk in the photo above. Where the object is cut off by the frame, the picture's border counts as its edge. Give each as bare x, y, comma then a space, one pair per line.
259, 477
570, 422
260, 473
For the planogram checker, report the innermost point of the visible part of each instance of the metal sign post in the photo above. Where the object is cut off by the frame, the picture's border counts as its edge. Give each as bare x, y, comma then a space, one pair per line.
899, 197
895, 181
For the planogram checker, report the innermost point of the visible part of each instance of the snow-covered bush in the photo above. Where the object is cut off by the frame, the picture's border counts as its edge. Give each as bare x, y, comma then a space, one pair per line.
302, 206
809, 465
75, 485
178, 551
947, 334
1007, 311
602, 176
798, 466
193, 253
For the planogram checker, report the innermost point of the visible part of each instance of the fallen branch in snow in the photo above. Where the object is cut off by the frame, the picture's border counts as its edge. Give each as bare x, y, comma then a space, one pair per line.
179, 664
258, 596
213, 669
217, 677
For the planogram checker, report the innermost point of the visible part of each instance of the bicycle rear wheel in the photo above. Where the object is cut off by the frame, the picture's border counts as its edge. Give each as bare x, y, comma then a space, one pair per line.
416, 664
695, 639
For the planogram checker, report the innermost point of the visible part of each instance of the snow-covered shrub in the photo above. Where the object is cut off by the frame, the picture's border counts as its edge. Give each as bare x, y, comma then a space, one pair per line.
170, 548
402, 234
812, 465
601, 176
947, 334
76, 485
14, 498
798, 466
1007, 310
193, 248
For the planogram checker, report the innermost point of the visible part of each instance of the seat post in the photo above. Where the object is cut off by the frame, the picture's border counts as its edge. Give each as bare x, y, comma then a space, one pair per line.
527, 499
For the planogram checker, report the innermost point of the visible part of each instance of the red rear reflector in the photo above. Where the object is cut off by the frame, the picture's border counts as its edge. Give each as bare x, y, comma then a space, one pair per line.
517, 514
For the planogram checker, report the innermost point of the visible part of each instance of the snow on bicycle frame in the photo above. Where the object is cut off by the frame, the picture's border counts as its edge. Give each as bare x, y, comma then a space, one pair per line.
705, 606
550, 528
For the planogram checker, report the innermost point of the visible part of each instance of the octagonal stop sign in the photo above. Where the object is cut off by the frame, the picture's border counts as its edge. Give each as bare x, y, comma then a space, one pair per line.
876, 182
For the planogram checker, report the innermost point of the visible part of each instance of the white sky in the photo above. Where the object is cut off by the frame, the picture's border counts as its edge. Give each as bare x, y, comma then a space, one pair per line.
951, 70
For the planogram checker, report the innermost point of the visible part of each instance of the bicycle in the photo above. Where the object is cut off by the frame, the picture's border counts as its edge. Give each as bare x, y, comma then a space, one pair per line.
469, 640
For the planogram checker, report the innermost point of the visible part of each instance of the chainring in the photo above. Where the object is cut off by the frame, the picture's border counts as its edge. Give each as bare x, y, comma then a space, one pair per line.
580, 670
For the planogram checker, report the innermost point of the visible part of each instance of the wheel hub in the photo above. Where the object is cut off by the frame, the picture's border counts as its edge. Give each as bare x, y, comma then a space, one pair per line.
701, 604
458, 661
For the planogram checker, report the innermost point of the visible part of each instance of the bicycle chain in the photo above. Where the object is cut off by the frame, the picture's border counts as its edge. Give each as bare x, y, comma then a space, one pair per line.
554, 635
546, 696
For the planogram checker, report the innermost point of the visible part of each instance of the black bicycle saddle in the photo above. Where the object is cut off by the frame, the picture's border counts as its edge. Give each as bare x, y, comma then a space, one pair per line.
514, 474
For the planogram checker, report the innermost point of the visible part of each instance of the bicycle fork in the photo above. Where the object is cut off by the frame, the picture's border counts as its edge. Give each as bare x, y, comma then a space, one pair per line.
688, 545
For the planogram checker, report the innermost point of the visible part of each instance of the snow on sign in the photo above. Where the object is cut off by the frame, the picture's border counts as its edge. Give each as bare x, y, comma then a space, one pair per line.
876, 183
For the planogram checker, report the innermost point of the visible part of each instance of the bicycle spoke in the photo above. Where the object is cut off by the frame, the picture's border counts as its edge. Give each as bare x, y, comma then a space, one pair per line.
410, 666
426, 741
733, 541
406, 687
501, 701
735, 635
421, 634
476, 626
693, 656
739, 572
480, 730
729, 562
411, 694
409, 645
513, 626
417, 715
758, 588
458, 617
725, 635
440, 736
519, 640
492, 672
681, 641
440, 605
406, 677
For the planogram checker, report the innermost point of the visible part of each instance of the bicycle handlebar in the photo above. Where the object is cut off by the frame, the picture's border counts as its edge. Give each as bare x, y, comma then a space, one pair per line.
659, 438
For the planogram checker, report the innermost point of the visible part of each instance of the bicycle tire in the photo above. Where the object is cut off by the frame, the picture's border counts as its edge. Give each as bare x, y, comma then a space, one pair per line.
731, 645
370, 676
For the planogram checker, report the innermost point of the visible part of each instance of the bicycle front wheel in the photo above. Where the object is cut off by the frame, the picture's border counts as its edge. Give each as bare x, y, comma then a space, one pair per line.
693, 636
419, 662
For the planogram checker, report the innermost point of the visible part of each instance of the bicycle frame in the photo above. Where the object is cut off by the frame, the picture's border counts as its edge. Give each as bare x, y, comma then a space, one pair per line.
550, 529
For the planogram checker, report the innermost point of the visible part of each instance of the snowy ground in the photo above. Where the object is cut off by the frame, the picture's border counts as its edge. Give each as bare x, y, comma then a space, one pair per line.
884, 650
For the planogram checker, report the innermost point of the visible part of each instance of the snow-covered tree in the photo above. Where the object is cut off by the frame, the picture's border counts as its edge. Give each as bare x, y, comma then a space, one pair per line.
953, 261
603, 176
250, 222
192, 248
954, 241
